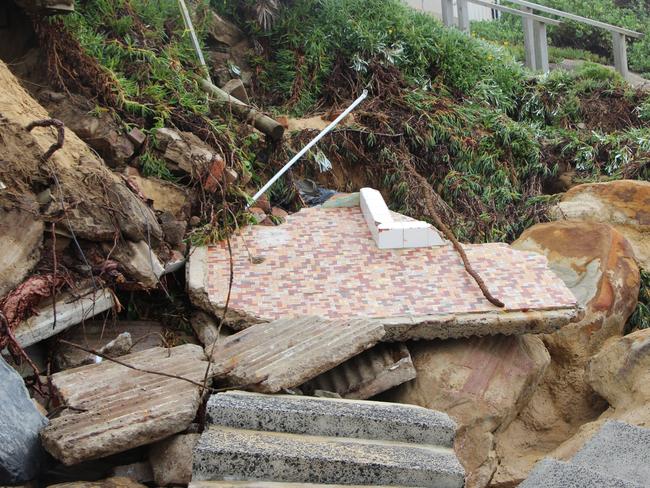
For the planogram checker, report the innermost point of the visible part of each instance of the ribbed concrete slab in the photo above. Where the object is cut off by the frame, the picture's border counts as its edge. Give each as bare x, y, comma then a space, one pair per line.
116, 408
269, 357
550, 473
331, 417
236, 454
374, 371
268, 484
619, 450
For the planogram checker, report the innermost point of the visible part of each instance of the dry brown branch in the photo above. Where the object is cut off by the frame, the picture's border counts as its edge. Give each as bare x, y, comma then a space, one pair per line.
60, 129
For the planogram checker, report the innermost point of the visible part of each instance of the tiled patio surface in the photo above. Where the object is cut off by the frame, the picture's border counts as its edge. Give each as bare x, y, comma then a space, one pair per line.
324, 262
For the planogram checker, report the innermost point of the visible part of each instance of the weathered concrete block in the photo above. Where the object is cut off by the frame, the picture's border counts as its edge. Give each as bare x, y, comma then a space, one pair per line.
619, 450
550, 473
171, 459
235, 454
123, 408
331, 417
20, 449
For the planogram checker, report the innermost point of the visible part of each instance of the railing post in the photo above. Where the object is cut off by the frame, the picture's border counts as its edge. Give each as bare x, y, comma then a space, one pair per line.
448, 12
541, 47
463, 15
529, 39
620, 54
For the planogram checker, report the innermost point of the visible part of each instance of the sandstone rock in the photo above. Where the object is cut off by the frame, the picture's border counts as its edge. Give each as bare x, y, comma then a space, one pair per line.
21, 454
597, 264
137, 137
173, 228
480, 382
620, 373
171, 459
184, 152
223, 31
236, 88
164, 195
21, 236
623, 204
97, 129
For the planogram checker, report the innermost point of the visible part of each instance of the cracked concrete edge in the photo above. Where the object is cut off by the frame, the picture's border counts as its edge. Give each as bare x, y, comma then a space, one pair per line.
427, 327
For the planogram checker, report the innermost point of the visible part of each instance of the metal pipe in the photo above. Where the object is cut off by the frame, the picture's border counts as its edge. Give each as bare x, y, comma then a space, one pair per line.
293, 160
195, 40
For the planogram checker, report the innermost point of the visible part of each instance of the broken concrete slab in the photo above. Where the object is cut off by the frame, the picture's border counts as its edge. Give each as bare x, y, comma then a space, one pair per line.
550, 473
618, 450
71, 309
324, 261
171, 459
21, 454
294, 414
288, 352
116, 408
372, 372
21, 237
296, 440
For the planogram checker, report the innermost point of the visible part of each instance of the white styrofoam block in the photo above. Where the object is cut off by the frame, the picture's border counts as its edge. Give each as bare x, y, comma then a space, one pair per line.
390, 238
376, 206
416, 237
434, 238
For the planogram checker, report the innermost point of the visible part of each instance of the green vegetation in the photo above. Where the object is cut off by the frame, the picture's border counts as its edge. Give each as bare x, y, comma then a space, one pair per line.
641, 317
583, 41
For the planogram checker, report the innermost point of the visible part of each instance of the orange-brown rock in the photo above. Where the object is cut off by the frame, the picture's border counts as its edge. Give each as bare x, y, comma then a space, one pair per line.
597, 264
482, 383
624, 204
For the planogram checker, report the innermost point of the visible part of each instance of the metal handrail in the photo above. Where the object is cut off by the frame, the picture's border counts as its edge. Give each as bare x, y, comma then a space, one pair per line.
578, 18
514, 11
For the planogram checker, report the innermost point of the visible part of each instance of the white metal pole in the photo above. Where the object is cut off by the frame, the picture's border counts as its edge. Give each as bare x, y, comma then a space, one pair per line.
293, 160
195, 40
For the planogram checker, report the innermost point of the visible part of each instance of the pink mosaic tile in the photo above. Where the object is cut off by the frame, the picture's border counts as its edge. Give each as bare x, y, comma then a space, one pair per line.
325, 262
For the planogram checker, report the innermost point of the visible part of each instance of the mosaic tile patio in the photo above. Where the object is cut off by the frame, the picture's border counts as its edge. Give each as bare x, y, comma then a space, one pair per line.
324, 262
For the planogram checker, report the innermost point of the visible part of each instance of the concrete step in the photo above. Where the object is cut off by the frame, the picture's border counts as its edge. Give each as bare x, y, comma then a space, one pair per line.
331, 417
269, 484
550, 473
620, 450
225, 453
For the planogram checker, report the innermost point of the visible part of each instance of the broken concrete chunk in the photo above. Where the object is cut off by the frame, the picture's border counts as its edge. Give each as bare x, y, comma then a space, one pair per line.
309, 440
236, 88
139, 262
71, 309
171, 459
116, 482
21, 236
118, 408
21, 455
288, 352
206, 329
96, 335
372, 372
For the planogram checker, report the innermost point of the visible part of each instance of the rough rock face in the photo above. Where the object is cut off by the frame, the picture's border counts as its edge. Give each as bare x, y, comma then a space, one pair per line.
597, 264
623, 204
20, 422
620, 373
21, 236
171, 459
97, 202
482, 383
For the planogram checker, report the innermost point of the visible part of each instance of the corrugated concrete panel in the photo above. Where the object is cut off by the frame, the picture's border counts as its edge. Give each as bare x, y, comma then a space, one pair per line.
71, 309
288, 352
237, 454
376, 370
295, 414
117, 408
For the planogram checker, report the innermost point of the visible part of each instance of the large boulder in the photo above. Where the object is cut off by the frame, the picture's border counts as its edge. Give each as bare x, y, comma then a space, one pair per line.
624, 204
620, 373
21, 455
482, 383
597, 263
